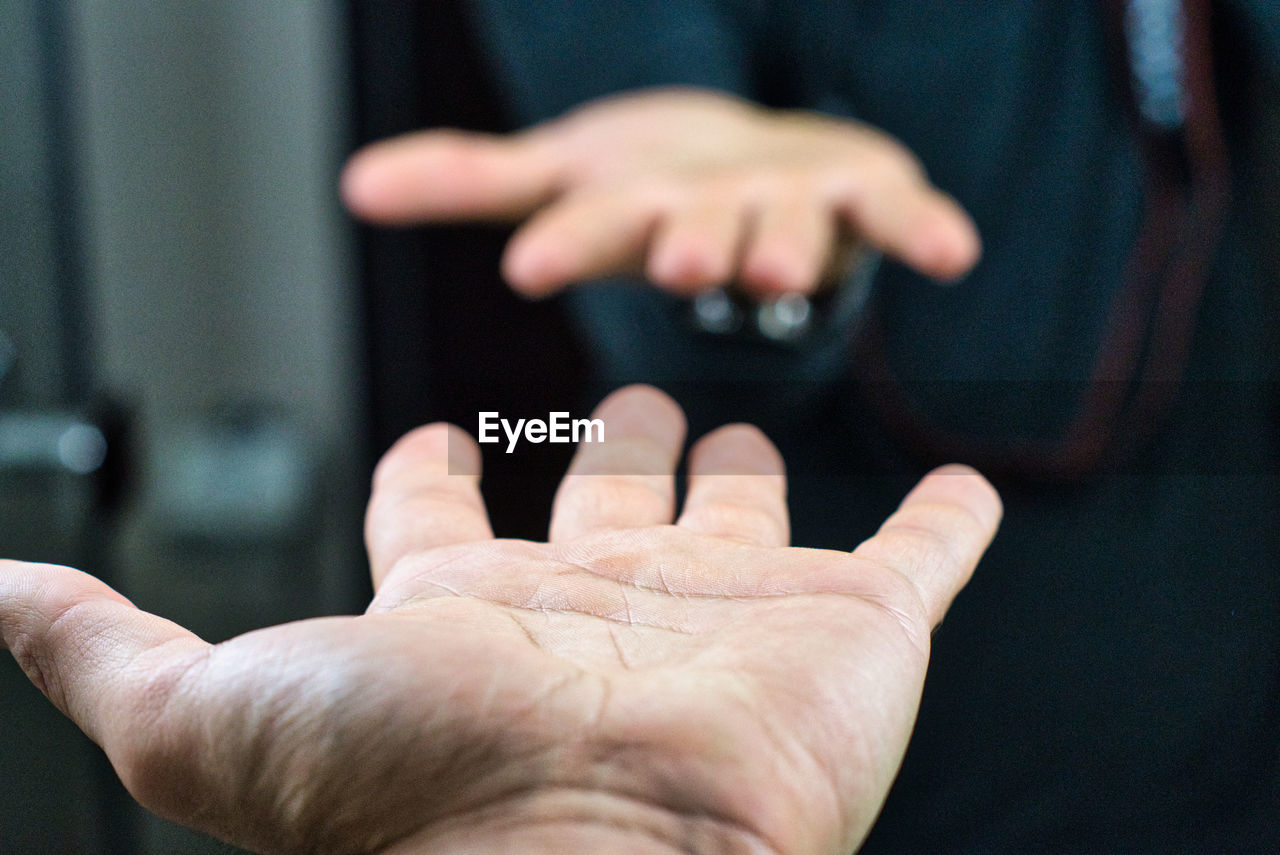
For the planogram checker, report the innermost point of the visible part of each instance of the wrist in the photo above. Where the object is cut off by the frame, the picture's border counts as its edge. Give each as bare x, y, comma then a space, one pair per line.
568, 820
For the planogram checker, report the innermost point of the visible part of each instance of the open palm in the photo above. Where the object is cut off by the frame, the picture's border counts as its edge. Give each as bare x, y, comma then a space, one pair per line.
633, 685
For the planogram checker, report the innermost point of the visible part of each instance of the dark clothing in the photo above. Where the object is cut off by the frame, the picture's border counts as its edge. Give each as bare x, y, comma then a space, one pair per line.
1110, 680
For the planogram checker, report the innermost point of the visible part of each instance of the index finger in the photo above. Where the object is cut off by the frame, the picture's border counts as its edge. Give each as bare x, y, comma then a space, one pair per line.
937, 535
449, 175
426, 494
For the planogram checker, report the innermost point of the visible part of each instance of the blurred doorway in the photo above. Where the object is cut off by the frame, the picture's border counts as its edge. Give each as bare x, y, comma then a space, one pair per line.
56, 459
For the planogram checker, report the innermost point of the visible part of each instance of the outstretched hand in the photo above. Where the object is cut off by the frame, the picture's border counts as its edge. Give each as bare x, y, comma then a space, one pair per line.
691, 187
643, 682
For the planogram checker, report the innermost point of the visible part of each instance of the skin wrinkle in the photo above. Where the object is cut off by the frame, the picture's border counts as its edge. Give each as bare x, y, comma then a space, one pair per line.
525, 630
269, 723
909, 625
615, 620
602, 704
664, 586
830, 771
613, 630
430, 496
323, 725
592, 727
44, 675
644, 819
578, 675
626, 600
170, 774
903, 521
610, 490
24, 649
889, 604
395, 572
153, 706
796, 750
908, 622
568, 568
713, 519
101, 625
885, 602
613, 636
672, 794
601, 712
326, 827
623, 585
570, 555
946, 545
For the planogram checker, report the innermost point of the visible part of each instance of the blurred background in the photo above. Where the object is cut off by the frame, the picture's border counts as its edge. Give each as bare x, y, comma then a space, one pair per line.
201, 357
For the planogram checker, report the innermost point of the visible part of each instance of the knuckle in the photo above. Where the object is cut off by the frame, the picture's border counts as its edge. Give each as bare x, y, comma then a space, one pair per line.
924, 542
621, 496
883, 584
736, 520
942, 522
27, 652
41, 651
891, 158
655, 195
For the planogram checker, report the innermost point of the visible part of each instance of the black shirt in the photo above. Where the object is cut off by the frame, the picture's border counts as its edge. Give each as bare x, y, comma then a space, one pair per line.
1110, 679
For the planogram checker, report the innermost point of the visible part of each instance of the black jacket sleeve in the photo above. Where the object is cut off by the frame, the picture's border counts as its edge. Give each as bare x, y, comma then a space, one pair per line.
551, 56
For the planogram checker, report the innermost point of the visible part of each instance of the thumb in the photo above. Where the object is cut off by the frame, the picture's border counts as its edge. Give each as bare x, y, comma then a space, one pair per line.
449, 175
87, 648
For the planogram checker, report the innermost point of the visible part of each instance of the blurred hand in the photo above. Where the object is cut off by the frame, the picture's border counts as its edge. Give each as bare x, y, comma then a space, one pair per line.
694, 188
633, 685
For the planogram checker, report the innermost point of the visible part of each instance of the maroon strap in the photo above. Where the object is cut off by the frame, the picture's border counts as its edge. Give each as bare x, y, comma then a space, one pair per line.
1140, 362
